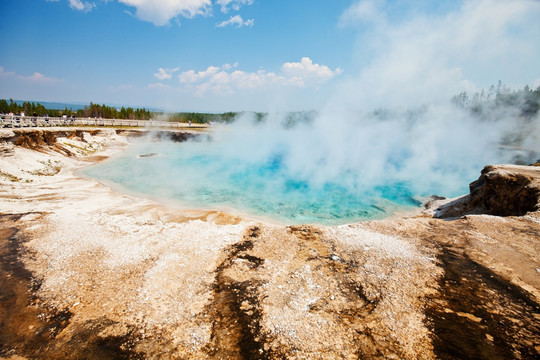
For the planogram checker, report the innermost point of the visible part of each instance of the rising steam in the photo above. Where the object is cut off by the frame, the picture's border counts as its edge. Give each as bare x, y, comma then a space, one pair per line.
434, 149
390, 134
394, 121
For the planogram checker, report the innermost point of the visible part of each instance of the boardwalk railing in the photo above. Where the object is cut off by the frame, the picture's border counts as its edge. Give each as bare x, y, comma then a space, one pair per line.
32, 121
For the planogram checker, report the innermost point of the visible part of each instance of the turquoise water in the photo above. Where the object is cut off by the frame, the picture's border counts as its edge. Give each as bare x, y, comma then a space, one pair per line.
327, 170
204, 175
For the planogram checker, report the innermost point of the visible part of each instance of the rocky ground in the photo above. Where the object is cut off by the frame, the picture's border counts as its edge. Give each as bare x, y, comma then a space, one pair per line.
87, 273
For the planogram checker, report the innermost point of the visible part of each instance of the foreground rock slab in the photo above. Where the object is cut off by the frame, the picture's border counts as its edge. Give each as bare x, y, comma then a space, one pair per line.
90, 273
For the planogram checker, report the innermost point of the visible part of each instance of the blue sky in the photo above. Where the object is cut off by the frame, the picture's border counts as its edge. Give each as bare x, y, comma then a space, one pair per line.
231, 55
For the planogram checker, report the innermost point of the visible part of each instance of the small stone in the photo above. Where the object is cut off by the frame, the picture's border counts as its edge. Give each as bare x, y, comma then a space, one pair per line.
469, 316
336, 258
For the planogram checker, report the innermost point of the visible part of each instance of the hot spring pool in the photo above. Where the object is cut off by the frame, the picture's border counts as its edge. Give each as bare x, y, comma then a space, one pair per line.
204, 175
327, 169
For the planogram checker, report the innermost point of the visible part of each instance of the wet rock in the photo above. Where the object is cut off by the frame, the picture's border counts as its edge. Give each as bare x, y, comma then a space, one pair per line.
501, 190
148, 155
175, 136
433, 199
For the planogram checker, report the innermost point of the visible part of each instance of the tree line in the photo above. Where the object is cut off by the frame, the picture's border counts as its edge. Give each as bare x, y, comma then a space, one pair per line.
526, 100
110, 112
200, 118
92, 110
26, 107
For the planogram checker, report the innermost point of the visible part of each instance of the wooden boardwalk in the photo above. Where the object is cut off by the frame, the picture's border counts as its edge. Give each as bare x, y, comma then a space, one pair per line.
12, 121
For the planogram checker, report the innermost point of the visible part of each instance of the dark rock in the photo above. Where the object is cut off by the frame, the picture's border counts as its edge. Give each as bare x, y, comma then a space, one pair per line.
502, 190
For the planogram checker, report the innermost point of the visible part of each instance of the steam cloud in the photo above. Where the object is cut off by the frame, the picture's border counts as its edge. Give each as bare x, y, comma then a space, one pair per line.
416, 135
389, 132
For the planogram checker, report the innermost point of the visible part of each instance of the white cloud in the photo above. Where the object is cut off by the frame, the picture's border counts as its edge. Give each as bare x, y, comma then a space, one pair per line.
306, 71
165, 74
237, 21
229, 66
4, 73
35, 78
190, 76
234, 4
160, 12
81, 5
159, 85
38, 77
226, 79
362, 11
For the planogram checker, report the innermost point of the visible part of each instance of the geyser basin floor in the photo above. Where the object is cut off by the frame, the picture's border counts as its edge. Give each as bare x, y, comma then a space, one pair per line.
124, 277
205, 175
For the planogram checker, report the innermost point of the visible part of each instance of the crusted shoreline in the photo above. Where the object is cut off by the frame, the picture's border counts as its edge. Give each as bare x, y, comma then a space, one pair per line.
87, 272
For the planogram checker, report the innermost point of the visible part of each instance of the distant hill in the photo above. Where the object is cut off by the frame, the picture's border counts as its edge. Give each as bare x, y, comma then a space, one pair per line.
54, 105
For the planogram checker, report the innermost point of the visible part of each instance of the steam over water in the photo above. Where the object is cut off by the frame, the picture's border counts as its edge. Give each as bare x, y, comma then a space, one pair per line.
200, 175
350, 161
320, 169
